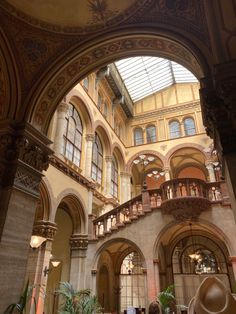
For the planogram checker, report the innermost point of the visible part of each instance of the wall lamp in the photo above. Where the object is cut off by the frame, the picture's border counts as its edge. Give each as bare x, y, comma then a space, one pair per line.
55, 263
36, 241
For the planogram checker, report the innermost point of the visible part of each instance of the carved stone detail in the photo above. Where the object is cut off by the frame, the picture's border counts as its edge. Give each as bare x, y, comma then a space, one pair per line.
185, 208
46, 229
79, 241
23, 156
219, 113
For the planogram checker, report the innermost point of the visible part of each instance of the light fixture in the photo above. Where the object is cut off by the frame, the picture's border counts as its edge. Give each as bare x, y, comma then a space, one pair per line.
156, 174
195, 256
144, 160
55, 263
36, 241
129, 266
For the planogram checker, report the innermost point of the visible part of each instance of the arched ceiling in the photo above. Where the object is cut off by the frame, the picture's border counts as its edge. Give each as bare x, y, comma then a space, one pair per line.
76, 15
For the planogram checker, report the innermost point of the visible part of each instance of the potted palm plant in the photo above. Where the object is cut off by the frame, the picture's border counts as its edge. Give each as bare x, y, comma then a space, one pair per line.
77, 302
166, 300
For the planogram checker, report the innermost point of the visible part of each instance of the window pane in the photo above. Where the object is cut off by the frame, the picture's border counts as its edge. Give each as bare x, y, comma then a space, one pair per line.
138, 137
174, 129
189, 126
151, 134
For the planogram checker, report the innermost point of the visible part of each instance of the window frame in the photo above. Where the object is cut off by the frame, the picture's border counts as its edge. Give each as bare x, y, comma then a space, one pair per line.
172, 132
68, 141
187, 129
139, 141
153, 137
97, 160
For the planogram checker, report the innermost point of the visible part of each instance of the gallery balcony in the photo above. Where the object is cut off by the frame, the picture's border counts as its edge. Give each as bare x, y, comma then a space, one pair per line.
183, 198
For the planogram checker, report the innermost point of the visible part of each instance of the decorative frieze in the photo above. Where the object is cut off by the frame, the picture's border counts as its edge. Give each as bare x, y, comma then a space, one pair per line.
79, 241
46, 229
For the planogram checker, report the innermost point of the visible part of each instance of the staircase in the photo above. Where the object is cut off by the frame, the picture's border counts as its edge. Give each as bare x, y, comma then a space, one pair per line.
183, 198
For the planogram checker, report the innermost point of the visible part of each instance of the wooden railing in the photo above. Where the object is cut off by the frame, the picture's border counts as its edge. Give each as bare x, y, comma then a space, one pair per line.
151, 199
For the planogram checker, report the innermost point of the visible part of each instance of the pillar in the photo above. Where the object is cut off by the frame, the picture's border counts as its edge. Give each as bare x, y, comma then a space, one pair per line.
211, 172
60, 127
218, 98
38, 260
89, 152
156, 275
167, 173
151, 281
79, 245
23, 157
108, 160
125, 187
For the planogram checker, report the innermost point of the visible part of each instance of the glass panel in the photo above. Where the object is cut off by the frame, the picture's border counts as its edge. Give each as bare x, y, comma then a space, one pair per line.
71, 129
146, 75
189, 126
86, 83
151, 134
138, 136
174, 129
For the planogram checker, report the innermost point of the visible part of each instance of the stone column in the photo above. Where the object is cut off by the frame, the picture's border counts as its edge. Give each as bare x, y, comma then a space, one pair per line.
60, 127
151, 284
156, 274
211, 172
125, 188
38, 260
89, 152
79, 245
23, 157
167, 173
108, 160
218, 98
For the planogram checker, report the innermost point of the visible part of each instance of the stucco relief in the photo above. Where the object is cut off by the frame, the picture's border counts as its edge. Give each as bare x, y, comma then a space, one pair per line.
74, 71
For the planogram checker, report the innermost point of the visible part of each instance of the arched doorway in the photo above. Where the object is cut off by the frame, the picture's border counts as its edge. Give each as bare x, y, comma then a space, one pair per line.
194, 258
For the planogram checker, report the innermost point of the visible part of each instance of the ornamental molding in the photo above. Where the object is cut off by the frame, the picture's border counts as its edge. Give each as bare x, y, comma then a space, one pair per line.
185, 208
172, 109
46, 229
79, 242
47, 100
73, 174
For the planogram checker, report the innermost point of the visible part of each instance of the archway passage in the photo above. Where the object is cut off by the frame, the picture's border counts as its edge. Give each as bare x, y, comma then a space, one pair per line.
121, 280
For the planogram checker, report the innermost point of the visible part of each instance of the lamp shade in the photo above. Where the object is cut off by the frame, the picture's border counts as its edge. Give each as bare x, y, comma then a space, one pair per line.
36, 241
55, 263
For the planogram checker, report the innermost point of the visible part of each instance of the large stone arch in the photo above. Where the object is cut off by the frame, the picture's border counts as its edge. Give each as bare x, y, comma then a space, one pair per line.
10, 88
70, 201
44, 99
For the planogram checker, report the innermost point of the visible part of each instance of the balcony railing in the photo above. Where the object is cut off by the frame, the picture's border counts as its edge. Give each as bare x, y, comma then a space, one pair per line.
173, 195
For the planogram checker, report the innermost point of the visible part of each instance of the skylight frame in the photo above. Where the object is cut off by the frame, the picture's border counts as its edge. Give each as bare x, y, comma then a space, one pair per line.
144, 76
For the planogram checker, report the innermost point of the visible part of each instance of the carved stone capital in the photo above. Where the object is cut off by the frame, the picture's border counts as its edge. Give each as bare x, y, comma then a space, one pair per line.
46, 229
23, 156
108, 158
79, 241
89, 137
63, 107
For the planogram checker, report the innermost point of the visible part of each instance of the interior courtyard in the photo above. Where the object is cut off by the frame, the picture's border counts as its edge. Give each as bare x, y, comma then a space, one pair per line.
118, 150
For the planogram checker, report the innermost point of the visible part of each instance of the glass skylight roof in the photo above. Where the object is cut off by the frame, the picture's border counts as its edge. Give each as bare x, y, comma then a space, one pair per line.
144, 76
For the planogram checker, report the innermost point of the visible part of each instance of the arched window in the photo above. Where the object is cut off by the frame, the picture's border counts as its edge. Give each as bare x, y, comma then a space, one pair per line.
174, 129
189, 126
73, 136
132, 281
138, 136
99, 104
151, 134
114, 178
97, 160
86, 83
